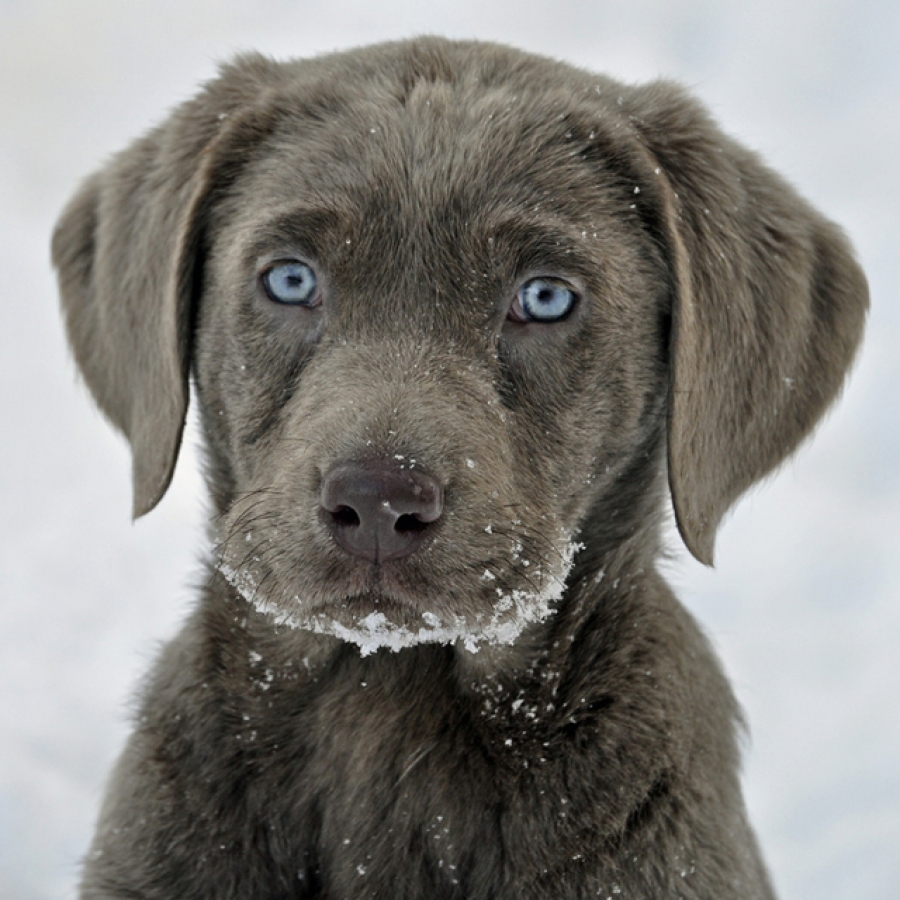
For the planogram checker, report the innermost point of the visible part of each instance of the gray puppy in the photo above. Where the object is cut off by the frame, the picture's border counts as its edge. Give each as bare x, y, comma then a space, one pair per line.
459, 321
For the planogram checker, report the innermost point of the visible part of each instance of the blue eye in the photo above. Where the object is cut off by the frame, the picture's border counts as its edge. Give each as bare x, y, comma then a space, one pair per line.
542, 300
292, 283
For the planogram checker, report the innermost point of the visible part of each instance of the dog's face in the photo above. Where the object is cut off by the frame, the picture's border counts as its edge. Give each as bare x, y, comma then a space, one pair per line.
448, 310
477, 303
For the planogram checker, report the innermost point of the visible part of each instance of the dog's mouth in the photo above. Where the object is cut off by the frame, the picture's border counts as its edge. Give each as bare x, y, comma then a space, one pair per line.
384, 615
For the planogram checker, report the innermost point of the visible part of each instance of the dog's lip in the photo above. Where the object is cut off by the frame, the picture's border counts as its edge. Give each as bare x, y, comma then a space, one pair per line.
364, 603
366, 594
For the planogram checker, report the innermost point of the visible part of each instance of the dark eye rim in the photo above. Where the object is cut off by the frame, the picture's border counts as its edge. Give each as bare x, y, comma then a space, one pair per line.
517, 314
269, 267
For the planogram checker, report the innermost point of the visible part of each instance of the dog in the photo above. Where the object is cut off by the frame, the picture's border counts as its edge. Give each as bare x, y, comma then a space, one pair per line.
461, 322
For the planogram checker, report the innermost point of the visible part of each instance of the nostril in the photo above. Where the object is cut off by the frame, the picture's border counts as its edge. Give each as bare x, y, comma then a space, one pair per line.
345, 517
409, 523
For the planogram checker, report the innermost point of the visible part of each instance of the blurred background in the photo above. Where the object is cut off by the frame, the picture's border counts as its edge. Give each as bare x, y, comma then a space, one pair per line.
804, 603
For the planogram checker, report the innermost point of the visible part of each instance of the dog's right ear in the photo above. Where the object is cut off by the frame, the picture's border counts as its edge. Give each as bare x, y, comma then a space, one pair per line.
126, 250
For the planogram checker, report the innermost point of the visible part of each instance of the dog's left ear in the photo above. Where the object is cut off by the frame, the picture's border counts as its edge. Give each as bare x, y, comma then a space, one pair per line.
768, 309
126, 250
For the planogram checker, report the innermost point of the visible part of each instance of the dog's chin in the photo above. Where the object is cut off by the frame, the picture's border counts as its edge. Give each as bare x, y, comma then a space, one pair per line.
375, 620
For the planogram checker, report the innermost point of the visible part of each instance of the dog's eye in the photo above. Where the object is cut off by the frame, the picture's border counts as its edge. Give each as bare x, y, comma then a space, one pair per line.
542, 300
292, 283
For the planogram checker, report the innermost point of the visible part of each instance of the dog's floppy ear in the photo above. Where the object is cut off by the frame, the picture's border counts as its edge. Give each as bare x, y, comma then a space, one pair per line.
126, 249
768, 310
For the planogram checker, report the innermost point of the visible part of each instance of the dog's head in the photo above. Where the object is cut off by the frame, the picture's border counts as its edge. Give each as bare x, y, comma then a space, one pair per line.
450, 308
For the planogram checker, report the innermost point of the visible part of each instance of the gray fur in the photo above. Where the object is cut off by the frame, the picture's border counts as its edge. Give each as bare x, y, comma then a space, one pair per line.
594, 755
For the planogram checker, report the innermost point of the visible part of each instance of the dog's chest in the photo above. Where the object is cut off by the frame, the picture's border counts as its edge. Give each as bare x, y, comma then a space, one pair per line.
384, 777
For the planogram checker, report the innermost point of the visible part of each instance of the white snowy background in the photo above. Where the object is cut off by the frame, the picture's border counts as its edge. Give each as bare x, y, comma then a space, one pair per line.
804, 603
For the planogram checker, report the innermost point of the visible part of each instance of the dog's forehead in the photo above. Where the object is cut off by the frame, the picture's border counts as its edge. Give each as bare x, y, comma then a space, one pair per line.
441, 159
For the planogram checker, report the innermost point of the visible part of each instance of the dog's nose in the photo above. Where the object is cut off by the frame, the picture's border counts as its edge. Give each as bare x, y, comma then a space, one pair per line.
378, 511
